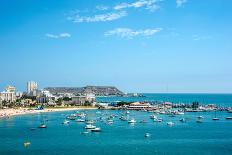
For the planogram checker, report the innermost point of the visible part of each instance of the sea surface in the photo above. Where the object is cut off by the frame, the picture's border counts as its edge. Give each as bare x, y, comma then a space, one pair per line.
120, 138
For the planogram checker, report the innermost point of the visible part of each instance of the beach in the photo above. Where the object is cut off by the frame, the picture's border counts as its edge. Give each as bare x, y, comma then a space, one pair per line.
4, 113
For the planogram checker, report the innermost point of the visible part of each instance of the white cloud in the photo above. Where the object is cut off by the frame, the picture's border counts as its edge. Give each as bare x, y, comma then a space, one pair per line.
102, 7
61, 35
148, 4
129, 33
97, 18
197, 37
179, 3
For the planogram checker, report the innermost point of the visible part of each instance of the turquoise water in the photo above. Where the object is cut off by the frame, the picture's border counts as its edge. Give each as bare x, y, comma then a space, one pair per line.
190, 138
218, 99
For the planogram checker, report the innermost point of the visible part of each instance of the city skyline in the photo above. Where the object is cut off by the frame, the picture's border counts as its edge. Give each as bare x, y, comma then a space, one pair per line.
138, 46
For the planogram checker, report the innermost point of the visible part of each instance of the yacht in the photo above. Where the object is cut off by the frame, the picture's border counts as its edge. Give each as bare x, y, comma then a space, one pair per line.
153, 116
215, 117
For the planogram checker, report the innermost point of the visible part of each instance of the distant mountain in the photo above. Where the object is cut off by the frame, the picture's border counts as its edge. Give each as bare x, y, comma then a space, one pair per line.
97, 90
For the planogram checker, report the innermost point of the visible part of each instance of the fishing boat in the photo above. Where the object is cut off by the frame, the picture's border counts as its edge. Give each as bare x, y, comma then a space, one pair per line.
96, 130
132, 121
90, 126
170, 123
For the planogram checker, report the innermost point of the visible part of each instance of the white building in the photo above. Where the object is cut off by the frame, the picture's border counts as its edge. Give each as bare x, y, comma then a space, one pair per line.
8, 96
31, 86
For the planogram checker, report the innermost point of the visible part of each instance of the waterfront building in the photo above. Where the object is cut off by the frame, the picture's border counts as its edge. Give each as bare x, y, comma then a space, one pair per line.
8, 96
86, 98
31, 87
139, 106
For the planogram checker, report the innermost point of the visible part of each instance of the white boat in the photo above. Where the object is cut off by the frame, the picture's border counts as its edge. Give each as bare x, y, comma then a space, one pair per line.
66, 122
158, 120
170, 123
127, 112
153, 116
90, 126
215, 117
80, 120
147, 135
132, 121
200, 117
90, 122
96, 130
42, 126
182, 120
228, 117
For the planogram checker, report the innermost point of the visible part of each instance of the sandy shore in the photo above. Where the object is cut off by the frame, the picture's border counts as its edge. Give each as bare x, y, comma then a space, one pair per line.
4, 113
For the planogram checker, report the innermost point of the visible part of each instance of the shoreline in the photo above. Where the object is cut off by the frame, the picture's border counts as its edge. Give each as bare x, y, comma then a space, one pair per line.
6, 113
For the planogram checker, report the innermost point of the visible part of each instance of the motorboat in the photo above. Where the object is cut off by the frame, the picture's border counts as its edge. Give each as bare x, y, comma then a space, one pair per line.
200, 117
229, 118
153, 116
80, 120
66, 122
147, 135
158, 120
182, 120
42, 126
170, 123
132, 121
90, 122
90, 126
96, 130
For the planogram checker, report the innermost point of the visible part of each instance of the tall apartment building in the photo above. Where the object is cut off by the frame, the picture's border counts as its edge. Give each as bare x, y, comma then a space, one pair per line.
31, 86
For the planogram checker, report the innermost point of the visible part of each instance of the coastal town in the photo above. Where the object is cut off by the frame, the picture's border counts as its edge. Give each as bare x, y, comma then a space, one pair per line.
34, 100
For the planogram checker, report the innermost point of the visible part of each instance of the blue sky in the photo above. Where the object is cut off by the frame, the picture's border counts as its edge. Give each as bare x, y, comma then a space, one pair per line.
136, 45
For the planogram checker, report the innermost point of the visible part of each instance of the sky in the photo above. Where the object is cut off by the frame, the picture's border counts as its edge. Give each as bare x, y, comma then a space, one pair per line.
156, 46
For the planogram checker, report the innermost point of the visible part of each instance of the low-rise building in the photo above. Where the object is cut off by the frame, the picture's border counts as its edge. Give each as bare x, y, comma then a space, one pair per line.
81, 100
8, 96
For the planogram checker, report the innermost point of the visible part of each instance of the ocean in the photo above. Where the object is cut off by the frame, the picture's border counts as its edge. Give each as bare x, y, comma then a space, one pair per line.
188, 138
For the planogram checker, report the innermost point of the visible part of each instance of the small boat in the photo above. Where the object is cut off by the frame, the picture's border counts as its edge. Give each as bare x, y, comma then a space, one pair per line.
85, 132
89, 126
158, 120
132, 121
228, 117
110, 121
153, 116
170, 123
200, 117
42, 126
147, 135
71, 117
90, 122
80, 120
96, 130
32, 129
199, 121
27, 144
215, 117
66, 122
182, 120
127, 112
143, 121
